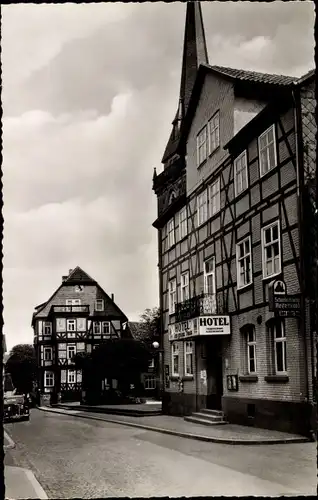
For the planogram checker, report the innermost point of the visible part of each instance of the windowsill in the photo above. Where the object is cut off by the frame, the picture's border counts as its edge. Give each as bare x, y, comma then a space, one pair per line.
248, 378
245, 287
277, 378
187, 377
214, 151
268, 173
183, 238
241, 194
174, 377
271, 276
202, 163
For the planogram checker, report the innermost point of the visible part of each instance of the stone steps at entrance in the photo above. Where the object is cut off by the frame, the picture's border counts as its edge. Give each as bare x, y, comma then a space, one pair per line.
207, 417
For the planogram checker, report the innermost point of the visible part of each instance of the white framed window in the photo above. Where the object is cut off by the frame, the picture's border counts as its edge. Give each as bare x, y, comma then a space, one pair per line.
150, 382
271, 249
70, 303
47, 328
48, 379
214, 197
99, 305
70, 352
71, 376
214, 132
48, 354
209, 277
175, 359
240, 174
97, 327
71, 325
267, 150
183, 223
202, 143
105, 327
251, 349
202, 203
172, 295
170, 231
151, 363
244, 263
279, 338
188, 358
184, 288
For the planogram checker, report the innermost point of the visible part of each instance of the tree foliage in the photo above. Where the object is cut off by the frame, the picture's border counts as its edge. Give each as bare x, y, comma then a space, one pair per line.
149, 325
22, 366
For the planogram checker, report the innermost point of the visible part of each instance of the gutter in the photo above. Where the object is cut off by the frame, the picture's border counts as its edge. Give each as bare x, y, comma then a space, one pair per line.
300, 194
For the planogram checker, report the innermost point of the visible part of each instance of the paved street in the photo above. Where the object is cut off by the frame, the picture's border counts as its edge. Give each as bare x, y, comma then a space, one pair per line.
75, 457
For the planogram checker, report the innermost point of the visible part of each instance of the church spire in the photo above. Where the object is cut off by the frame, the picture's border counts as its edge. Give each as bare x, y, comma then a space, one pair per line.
194, 53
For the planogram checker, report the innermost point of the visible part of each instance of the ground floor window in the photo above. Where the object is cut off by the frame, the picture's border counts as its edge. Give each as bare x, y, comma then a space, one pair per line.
278, 335
150, 382
188, 358
251, 349
48, 379
175, 358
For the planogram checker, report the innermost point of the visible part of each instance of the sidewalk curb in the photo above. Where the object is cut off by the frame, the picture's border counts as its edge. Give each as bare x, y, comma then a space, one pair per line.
197, 437
39, 491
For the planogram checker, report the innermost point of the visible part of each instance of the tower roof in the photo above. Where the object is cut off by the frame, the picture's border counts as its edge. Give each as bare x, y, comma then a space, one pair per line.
194, 54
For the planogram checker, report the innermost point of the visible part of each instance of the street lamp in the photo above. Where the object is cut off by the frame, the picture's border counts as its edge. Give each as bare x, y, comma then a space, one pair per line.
156, 346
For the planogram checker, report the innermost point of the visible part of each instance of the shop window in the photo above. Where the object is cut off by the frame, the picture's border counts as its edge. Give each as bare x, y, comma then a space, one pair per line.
150, 382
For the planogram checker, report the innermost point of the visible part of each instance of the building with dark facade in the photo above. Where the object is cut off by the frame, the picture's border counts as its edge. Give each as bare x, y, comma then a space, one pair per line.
78, 317
237, 243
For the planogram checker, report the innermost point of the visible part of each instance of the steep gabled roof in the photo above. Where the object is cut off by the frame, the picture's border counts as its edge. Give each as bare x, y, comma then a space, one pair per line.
79, 276
253, 76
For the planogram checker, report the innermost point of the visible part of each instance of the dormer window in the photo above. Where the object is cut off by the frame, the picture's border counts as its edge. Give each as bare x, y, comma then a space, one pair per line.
99, 305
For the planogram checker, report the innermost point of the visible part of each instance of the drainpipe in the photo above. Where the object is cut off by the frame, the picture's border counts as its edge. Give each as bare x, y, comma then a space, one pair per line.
161, 356
300, 194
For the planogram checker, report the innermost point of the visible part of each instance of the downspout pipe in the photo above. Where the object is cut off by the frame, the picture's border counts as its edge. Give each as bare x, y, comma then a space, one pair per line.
161, 357
300, 209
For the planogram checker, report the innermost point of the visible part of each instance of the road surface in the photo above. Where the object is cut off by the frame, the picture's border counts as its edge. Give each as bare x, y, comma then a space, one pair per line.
75, 457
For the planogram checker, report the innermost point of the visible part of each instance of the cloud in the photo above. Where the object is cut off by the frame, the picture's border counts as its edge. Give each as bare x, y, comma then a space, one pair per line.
89, 93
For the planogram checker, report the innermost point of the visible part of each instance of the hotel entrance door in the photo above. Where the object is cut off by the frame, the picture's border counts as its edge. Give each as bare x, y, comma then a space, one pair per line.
214, 374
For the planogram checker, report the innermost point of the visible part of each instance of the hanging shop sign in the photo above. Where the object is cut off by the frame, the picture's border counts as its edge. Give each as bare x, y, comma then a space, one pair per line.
214, 325
184, 329
280, 303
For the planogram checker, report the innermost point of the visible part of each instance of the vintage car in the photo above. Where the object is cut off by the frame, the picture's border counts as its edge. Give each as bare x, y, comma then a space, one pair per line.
15, 406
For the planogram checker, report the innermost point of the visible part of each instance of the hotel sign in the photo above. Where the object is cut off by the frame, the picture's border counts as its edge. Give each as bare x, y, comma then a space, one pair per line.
214, 325
202, 326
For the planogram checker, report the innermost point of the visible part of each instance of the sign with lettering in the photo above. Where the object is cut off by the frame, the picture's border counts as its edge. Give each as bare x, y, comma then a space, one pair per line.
214, 325
282, 304
184, 329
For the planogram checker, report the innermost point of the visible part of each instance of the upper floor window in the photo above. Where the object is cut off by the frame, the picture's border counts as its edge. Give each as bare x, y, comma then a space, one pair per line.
170, 230
99, 305
47, 328
183, 223
150, 382
267, 150
214, 197
175, 358
202, 202
70, 303
214, 132
172, 295
202, 139
48, 354
240, 174
71, 376
48, 379
209, 277
184, 286
105, 327
96, 327
71, 350
244, 262
271, 249
71, 325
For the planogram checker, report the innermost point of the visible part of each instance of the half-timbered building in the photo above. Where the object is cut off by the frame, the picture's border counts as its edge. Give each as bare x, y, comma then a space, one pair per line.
78, 317
236, 258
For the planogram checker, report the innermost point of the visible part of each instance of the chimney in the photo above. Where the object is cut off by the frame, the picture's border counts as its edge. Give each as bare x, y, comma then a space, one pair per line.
112, 297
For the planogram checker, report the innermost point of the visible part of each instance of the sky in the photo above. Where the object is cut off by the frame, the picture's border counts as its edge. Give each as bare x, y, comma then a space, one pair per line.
89, 94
